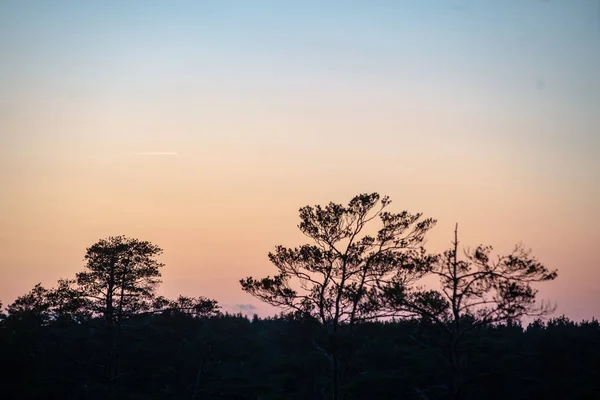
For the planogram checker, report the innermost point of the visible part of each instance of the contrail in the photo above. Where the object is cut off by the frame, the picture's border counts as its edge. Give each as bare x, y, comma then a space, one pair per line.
156, 153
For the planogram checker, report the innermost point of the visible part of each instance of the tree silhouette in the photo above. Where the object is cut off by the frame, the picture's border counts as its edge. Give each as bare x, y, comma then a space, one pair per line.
189, 306
31, 306
55, 343
334, 279
114, 298
120, 278
68, 303
64, 303
475, 291
119, 281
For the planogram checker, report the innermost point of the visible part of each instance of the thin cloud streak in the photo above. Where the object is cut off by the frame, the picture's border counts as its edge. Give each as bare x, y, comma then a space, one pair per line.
156, 153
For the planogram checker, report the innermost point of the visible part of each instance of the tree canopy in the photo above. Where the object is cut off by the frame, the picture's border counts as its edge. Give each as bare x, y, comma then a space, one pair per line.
334, 278
107, 333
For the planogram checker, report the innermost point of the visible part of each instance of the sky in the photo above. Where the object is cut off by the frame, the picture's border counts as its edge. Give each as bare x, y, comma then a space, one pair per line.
481, 113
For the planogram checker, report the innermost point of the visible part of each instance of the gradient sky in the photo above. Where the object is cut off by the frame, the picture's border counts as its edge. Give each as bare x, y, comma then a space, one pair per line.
485, 113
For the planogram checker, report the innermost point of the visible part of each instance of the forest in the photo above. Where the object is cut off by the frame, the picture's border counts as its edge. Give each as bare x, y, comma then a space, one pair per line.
356, 322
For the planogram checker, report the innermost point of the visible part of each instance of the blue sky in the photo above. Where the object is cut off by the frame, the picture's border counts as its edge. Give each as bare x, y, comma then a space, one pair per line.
532, 60
522, 54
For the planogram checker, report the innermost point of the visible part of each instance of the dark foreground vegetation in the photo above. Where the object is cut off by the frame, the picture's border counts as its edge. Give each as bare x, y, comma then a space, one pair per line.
356, 323
231, 357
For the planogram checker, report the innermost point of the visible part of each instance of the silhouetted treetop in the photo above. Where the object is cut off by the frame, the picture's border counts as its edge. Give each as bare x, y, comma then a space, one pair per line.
120, 278
333, 279
474, 291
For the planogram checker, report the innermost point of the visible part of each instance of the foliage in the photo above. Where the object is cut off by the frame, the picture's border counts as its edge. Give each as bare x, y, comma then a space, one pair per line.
107, 334
120, 278
231, 357
334, 278
112, 299
475, 291
183, 305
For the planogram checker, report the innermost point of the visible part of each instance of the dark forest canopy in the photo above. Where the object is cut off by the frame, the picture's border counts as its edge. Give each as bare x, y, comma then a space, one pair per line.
355, 323
179, 356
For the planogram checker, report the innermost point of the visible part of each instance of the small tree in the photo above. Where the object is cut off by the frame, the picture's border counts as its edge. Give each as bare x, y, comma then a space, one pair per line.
68, 304
33, 306
475, 291
119, 281
188, 306
333, 280
44, 306
120, 278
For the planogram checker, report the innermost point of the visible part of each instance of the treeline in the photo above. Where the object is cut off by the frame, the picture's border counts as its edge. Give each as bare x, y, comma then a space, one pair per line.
232, 357
355, 323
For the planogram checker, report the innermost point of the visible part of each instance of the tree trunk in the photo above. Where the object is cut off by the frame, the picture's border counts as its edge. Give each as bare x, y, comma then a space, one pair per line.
336, 377
457, 381
457, 378
109, 314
